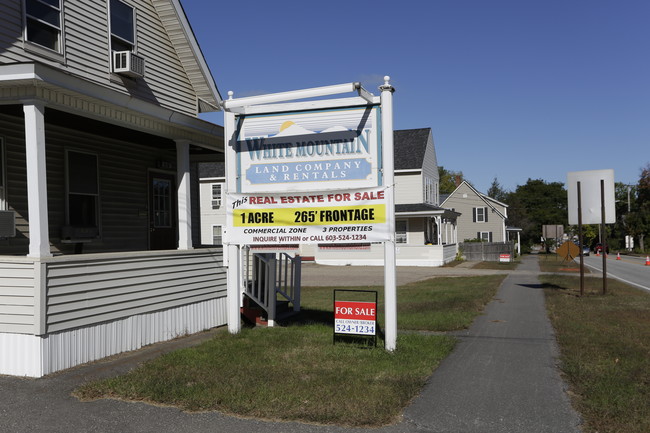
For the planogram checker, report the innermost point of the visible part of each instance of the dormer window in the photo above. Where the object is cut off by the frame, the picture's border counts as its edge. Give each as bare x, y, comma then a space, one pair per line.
122, 26
43, 23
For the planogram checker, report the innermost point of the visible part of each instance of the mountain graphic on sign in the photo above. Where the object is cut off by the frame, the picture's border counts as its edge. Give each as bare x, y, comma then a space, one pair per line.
289, 128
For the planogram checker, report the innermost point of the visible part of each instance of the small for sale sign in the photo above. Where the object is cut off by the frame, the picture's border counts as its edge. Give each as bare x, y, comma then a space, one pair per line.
353, 317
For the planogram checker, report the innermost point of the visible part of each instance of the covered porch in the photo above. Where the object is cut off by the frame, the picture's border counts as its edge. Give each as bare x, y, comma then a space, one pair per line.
99, 255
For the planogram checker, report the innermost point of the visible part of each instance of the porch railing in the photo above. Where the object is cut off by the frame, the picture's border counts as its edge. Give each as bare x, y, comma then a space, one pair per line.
270, 280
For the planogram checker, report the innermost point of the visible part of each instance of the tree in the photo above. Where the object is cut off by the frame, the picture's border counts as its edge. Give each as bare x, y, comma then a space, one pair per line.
496, 191
535, 204
449, 180
637, 222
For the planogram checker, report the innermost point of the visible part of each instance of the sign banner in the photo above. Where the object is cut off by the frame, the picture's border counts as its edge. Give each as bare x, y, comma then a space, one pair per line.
345, 216
305, 151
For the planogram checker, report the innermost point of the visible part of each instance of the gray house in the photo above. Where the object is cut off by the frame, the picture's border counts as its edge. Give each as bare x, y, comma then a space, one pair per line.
99, 141
482, 217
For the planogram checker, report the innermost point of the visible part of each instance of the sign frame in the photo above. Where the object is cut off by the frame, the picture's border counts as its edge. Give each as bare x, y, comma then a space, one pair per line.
278, 103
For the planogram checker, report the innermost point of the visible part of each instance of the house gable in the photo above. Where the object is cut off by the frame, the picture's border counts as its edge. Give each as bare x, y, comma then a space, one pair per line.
481, 216
176, 76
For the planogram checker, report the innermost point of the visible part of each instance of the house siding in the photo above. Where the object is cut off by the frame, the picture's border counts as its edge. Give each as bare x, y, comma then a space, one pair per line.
17, 297
104, 289
87, 52
467, 228
430, 170
11, 32
408, 188
211, 217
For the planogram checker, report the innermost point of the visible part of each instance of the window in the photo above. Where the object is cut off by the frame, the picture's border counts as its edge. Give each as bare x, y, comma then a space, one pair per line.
122, 26
43, 23
480, 214
484, 236
400, 231
216, 195
83, 190
217, 232
428, 190
162, 203
3, 200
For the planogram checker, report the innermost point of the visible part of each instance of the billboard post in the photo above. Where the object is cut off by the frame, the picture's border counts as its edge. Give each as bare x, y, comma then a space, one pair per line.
390, 278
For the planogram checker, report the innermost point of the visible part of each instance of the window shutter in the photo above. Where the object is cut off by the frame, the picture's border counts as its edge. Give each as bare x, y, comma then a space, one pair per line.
490, 236
474, 214
485, 214
478, 236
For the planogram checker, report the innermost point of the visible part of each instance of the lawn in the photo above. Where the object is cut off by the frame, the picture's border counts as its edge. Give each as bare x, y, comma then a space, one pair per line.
296, 373
605, 351
554, 263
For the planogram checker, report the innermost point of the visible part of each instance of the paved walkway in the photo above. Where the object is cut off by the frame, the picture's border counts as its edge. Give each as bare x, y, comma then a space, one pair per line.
502, 377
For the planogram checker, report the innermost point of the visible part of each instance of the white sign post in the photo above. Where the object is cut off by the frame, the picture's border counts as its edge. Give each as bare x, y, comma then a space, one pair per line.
319, 171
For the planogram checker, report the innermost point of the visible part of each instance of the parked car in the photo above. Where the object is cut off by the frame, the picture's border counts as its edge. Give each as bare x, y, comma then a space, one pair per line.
585, 250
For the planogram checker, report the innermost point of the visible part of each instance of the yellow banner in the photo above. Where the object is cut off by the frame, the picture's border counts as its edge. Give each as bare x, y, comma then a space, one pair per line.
310, 216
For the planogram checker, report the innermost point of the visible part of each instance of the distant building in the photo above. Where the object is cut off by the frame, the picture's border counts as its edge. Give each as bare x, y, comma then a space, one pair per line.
482, 217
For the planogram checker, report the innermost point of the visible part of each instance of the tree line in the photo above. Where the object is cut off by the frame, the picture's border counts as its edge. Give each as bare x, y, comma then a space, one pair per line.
538, 203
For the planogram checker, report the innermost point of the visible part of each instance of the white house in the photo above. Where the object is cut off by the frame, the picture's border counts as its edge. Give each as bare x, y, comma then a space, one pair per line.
99, 138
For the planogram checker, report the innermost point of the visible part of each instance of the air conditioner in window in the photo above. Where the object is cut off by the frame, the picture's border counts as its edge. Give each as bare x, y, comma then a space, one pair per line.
128, 63
7, 224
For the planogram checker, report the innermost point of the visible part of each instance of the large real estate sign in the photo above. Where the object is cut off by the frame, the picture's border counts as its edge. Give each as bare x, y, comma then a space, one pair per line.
316, 171
308, 177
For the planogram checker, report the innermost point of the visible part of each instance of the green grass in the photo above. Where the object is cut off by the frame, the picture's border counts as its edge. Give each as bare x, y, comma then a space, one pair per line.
506, 266
440, 304
554, 263
296, 373
605, 351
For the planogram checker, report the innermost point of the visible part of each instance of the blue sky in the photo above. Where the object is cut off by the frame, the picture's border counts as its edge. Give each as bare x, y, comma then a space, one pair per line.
512, 89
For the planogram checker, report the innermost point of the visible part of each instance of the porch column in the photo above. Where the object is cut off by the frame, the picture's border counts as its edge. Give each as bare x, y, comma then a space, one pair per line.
439, 231
39, 234
184, 200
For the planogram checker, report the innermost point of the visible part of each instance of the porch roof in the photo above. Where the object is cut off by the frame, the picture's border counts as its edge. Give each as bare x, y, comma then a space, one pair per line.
29, 82
423, 210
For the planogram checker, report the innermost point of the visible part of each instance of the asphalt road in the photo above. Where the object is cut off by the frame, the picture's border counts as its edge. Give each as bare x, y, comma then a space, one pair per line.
629, 269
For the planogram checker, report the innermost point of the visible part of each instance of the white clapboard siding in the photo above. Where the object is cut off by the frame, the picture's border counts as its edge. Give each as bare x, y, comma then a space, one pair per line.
91, 291
17, 297
408, 188
11, 27
87, 55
